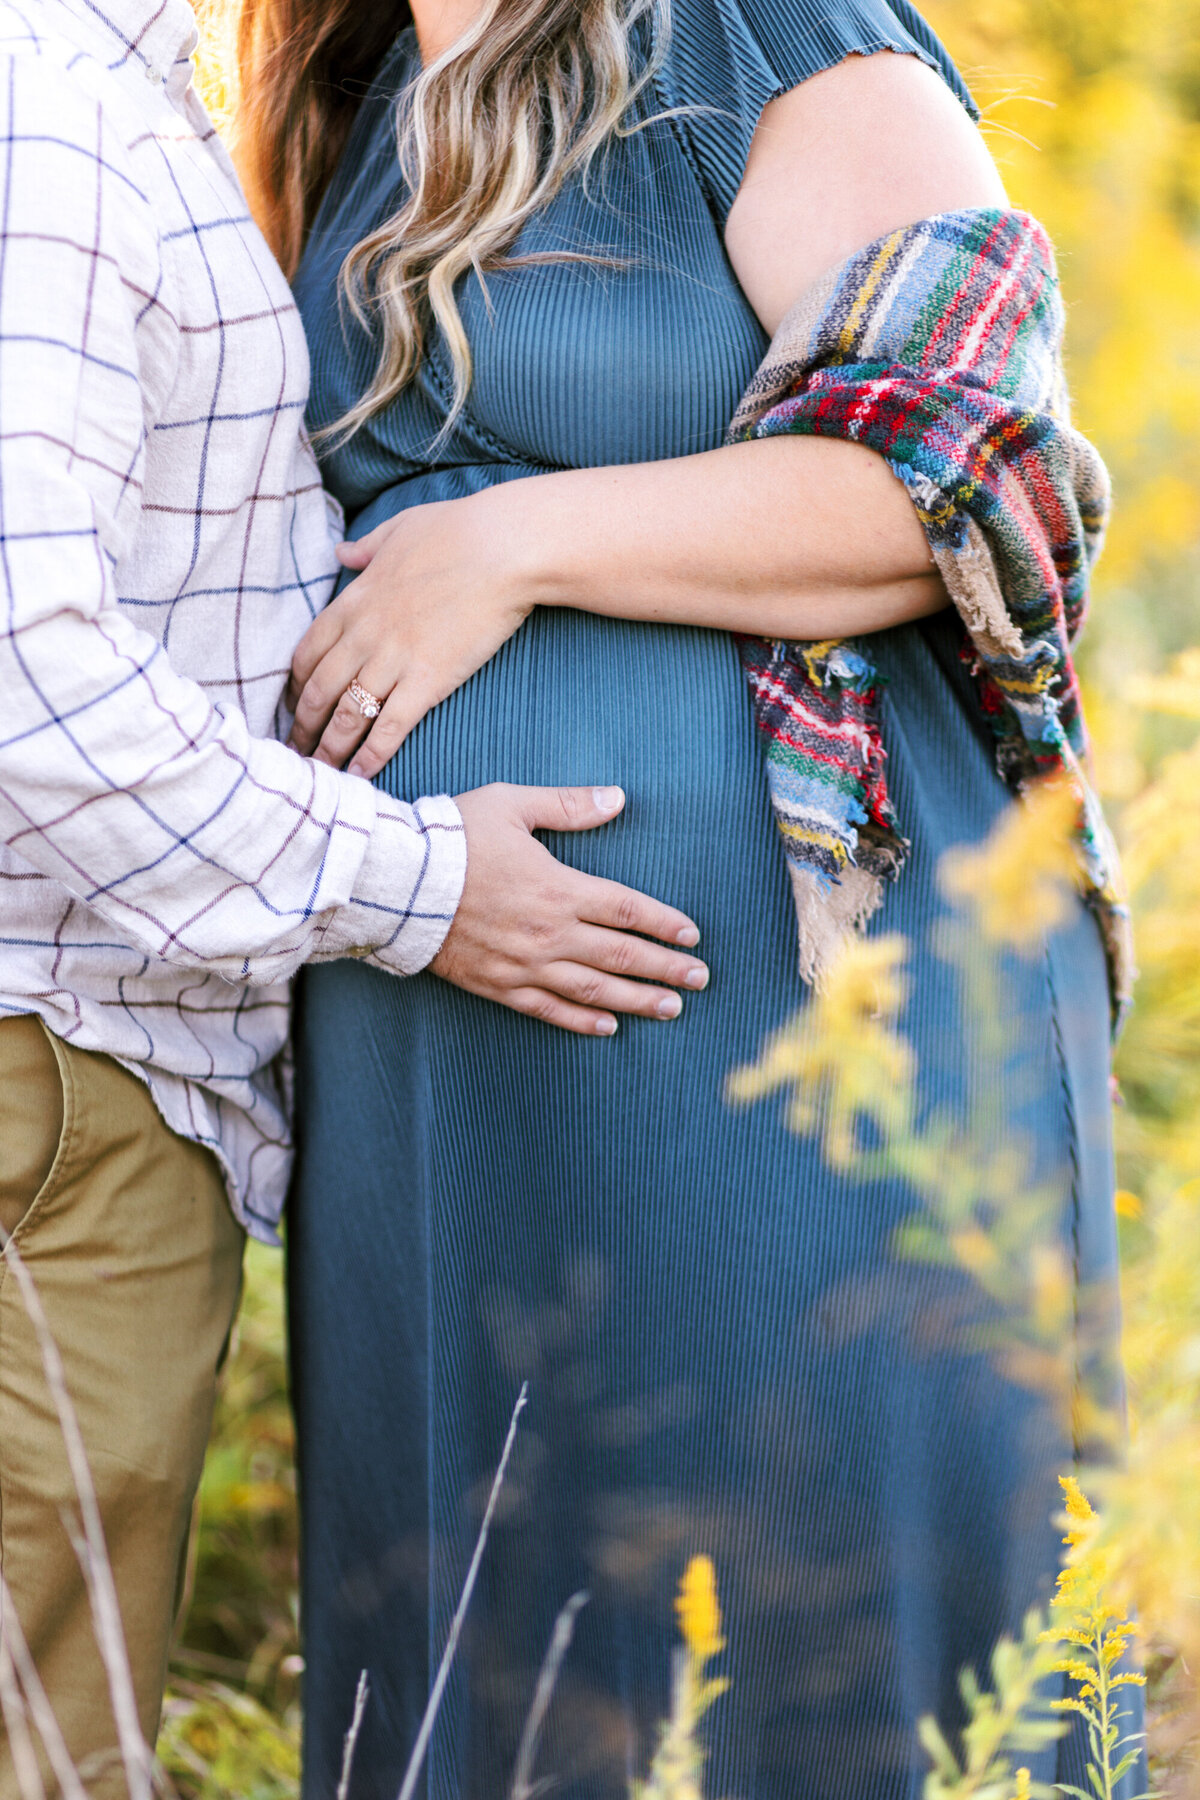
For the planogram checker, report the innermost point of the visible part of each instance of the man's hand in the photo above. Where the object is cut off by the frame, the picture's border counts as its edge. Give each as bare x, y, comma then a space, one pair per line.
545, 940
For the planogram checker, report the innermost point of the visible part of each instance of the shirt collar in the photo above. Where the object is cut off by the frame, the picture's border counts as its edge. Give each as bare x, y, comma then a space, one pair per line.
151, 34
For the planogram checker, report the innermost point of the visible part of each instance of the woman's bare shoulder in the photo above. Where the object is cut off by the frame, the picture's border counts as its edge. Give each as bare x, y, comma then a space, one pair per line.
873, 143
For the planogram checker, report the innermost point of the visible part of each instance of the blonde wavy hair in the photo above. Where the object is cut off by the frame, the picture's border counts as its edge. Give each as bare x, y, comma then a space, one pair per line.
486, 135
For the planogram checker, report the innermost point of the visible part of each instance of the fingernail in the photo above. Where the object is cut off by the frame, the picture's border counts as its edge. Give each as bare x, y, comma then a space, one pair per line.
669, 1007
356, 768
689, 935
696, 978
605, 1027
608, 800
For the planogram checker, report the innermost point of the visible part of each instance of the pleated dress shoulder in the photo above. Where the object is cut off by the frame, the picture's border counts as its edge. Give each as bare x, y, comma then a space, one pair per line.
725, 1353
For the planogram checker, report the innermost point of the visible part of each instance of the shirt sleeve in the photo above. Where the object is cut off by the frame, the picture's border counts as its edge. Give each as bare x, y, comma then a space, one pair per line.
724, 60
119, 777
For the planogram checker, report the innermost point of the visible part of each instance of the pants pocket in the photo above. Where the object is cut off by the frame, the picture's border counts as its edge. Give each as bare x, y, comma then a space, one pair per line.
34, 1106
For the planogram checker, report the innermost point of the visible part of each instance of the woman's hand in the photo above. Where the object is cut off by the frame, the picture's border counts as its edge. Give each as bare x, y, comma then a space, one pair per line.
436, 599
545, 939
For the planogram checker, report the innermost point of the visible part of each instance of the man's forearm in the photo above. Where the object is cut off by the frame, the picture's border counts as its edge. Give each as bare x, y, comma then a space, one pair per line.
200, 843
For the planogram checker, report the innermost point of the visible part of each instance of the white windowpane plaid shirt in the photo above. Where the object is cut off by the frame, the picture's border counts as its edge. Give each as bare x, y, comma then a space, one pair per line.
165, 865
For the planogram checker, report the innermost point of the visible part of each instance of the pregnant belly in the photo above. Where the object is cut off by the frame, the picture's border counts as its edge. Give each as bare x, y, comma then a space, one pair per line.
577, 700
574, 699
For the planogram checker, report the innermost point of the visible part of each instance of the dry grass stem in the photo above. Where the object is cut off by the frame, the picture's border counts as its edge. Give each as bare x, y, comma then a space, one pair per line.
137, 1758
543, 1693
350, 1743
456, 1624
20, 1742
41, 1712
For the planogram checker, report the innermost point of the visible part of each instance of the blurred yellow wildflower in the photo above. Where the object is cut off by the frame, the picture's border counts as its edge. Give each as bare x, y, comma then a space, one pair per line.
1092, 1635
1178, 691
215, 60
1127, 1205
844, 1057
1090, 109
699, 1610
1022, 1790
678, 1763
1081, 1517
1020, 881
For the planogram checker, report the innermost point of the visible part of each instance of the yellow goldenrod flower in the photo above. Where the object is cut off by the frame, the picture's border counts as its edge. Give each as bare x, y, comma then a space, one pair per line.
678, 1762
844, 1059
1095, 1635
698, 1609
1020, 882
1078, 1505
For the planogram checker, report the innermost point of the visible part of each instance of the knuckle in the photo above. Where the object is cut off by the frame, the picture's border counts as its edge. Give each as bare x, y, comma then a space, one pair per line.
590, 989
568, 799
315, 701
346, 715
624, 955
628, 912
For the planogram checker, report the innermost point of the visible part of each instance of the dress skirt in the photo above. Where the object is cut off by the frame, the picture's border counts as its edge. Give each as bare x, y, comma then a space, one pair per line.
726, 1354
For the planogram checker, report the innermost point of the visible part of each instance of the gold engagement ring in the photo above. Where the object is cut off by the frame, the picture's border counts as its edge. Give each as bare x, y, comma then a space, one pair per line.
366, 703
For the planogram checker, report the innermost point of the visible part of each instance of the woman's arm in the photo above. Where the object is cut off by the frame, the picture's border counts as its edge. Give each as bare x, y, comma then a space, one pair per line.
788, 537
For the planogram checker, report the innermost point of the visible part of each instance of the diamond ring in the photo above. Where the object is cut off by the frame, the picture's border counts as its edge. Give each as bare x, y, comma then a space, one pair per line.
367, 704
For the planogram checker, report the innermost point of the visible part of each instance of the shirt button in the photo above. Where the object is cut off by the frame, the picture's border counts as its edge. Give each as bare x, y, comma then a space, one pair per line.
153, 74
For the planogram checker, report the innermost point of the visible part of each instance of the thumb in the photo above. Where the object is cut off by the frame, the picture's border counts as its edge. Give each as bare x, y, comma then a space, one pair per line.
363, 550
568, 808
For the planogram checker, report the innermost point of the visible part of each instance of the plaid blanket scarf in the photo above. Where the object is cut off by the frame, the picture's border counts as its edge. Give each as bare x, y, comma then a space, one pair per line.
940, 347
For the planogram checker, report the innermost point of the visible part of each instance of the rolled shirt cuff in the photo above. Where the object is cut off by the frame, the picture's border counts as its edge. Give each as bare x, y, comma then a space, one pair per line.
407, 889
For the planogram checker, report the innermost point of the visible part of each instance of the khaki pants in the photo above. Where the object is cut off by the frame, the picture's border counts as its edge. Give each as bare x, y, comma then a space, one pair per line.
127, 1233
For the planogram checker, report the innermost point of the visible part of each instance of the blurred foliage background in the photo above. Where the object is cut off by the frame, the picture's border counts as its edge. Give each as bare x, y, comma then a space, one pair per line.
1093, 112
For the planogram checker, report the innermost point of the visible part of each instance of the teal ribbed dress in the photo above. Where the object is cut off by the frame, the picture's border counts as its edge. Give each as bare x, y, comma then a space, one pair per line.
724, 1353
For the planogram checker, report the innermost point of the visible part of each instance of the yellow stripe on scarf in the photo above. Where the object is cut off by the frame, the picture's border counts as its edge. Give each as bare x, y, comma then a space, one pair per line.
866, 293
815, 653
800, 834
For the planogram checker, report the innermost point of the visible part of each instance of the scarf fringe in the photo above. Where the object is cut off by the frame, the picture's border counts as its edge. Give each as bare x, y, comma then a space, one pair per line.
830, 914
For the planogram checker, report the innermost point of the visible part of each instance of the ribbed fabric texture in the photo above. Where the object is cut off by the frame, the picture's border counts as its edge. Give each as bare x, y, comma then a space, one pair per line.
723, 1353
